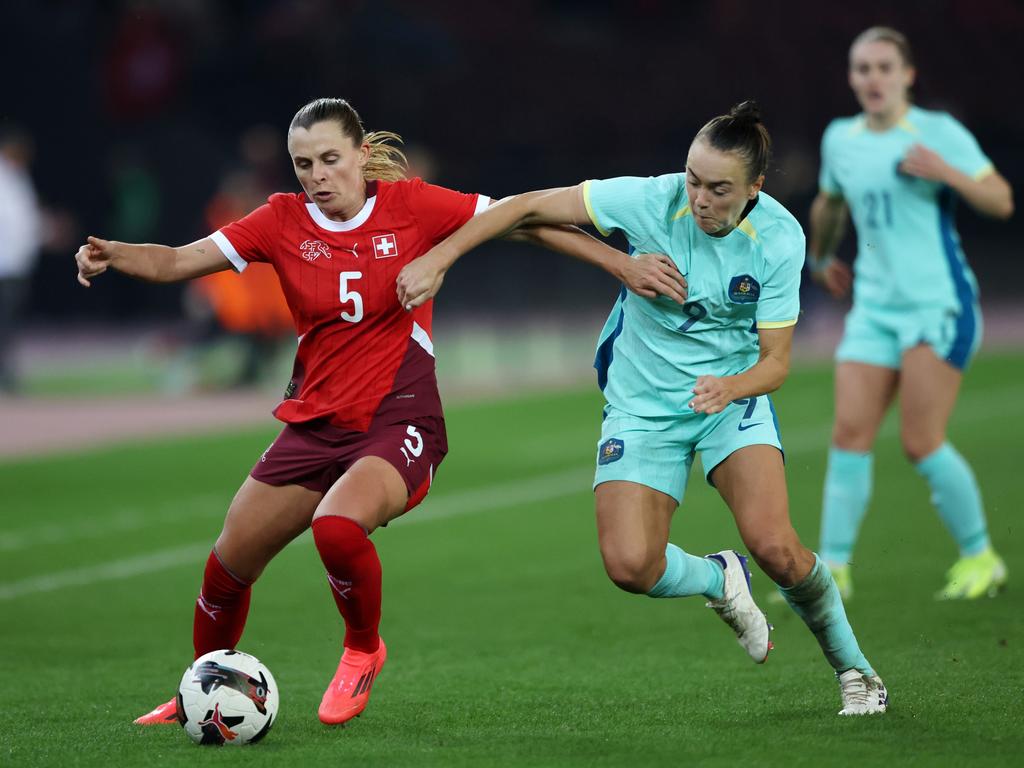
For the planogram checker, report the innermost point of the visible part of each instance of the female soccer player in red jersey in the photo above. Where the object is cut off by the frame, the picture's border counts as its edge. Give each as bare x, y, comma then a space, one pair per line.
364, 427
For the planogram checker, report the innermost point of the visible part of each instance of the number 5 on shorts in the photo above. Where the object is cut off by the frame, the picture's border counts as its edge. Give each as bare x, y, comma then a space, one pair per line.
416, 449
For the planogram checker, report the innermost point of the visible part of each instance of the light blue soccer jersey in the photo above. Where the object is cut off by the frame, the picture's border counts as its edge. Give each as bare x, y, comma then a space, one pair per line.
651, 351
908, 250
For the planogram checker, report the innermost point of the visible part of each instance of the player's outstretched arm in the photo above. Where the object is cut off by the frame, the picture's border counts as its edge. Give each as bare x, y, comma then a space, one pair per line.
647, 274
711, 394
147, 261
547, 217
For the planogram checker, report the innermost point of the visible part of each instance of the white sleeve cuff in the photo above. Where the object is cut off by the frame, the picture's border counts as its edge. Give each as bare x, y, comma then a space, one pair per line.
482, 201
229, 251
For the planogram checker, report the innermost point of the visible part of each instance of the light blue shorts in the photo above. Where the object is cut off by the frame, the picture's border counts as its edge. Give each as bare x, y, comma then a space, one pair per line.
658, 452
880, 336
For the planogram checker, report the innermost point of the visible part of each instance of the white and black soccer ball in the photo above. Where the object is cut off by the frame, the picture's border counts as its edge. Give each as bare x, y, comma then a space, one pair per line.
227, 697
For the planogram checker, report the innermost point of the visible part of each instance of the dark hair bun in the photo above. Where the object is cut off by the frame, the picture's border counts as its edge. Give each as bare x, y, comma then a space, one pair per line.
743, 132
748, 112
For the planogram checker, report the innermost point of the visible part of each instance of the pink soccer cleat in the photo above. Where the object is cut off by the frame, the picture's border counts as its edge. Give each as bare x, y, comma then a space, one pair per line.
349, 691
165, 714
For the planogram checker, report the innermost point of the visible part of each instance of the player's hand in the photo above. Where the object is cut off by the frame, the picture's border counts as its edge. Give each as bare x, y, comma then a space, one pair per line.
653, 274
834, 275
925, 164
93, 258
711, 394
420, 280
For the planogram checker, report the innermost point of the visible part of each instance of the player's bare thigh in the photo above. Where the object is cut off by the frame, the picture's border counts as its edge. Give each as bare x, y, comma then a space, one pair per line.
863, 393
261, 520
752, 481
928, 390
371, 492
633, 523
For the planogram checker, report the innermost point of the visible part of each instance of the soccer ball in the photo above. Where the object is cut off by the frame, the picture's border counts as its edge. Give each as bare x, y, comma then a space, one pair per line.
227, 697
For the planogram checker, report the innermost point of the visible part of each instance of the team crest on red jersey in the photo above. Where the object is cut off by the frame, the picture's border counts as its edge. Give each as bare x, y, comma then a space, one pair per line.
385, 246
313, 249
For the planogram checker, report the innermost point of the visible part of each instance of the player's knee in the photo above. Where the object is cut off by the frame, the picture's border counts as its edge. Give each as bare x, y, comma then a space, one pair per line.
630, 571
244, 562
848, 435
917, 445
778, 558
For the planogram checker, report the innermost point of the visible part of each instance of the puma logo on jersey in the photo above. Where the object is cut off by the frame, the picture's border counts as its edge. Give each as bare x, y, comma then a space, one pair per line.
313, 249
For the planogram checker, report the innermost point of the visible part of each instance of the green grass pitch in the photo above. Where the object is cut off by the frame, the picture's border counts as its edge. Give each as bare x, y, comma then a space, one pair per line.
507, 644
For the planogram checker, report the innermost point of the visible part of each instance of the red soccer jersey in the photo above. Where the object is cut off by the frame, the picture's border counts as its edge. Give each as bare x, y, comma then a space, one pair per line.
359, 350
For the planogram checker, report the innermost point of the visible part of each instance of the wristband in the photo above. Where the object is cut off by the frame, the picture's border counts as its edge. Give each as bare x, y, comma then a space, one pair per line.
819, 265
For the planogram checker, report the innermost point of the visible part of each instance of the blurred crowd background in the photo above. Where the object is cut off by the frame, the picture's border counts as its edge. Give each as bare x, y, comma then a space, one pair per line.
161, 120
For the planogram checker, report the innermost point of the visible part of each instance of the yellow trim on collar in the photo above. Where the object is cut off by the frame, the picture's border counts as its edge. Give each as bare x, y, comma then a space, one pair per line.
748, 229
907, 126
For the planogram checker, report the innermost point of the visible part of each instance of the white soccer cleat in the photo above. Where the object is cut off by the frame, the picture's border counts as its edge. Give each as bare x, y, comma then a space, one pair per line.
862, 694
738, 609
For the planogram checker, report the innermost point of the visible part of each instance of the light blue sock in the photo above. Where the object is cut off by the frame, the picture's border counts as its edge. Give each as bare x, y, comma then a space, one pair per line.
686, 574
956, 495
816, 600
847, 491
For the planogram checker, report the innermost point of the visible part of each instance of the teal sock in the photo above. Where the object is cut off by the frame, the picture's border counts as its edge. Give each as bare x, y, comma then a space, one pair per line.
816, 600
956, 495
686, 574
847, 491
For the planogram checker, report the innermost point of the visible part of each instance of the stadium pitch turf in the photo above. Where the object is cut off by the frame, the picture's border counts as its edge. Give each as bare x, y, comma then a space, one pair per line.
507, 644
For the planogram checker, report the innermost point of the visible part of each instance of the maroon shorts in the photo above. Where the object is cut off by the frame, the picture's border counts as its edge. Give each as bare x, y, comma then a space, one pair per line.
315, 454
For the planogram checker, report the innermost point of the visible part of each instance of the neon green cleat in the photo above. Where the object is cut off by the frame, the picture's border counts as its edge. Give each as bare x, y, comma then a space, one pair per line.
843, 579
974, 577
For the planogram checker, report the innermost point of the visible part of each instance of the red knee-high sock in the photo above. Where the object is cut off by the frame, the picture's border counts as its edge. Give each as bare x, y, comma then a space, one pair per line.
221, 609
353, 570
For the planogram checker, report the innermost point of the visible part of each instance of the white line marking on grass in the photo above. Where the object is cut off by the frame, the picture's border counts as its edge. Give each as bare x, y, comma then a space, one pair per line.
119, 569
511, 493
473, 500
121, 521
492, 497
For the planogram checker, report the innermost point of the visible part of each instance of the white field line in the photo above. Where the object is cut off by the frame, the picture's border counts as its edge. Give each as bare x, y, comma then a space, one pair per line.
113, 571
555, 485
122, 520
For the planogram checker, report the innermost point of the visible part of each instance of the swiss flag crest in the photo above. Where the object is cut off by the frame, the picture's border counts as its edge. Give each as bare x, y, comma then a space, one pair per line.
385, 246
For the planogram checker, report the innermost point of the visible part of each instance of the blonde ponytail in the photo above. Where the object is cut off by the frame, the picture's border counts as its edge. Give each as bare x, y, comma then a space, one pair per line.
387, 162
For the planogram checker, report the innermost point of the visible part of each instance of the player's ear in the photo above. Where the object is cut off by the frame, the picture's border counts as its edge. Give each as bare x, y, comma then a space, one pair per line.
755, 187
911, 76
364, 154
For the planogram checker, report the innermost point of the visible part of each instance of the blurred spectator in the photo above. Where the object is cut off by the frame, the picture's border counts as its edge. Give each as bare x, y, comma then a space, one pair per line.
20, 240
248, 309
144, 63
136, 196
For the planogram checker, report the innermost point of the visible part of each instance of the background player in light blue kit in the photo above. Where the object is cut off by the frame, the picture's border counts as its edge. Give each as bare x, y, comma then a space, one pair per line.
915, 323
692, 376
